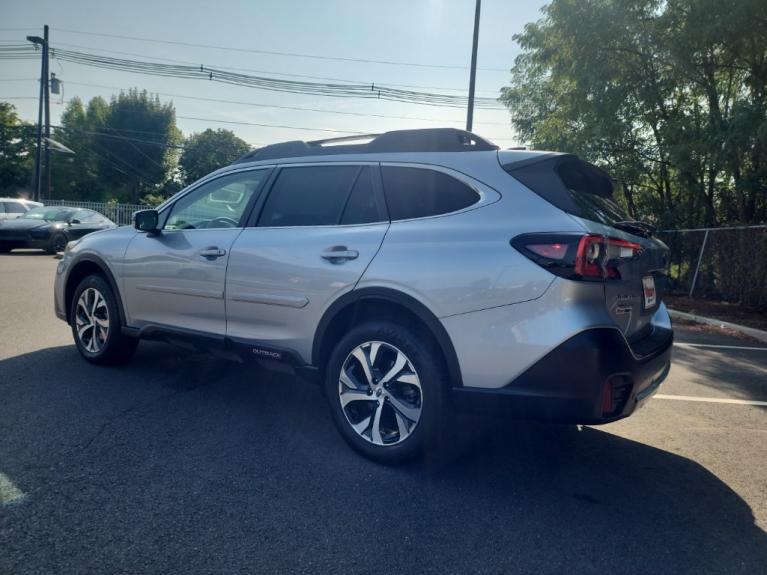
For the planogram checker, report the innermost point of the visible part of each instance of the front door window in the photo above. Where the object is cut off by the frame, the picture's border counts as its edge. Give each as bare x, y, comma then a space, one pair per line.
219, 203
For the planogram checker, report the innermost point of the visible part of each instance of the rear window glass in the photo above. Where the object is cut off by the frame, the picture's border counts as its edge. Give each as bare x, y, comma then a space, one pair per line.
417, 193
572, 185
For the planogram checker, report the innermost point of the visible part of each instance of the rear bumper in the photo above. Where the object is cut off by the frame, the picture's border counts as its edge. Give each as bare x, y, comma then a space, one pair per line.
569, 384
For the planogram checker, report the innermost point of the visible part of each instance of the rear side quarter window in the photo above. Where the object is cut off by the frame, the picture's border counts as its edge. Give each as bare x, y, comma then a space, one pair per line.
572, 185
421, 192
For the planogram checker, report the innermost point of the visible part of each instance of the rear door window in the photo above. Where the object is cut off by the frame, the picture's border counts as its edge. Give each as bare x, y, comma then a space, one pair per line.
362, 207
418, 193
319, 196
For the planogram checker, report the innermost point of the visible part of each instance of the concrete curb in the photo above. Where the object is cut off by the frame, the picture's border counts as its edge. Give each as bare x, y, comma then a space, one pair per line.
749, 331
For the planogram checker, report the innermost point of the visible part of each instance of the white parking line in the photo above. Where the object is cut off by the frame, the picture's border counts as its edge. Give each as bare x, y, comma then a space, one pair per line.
710, 399
720, 346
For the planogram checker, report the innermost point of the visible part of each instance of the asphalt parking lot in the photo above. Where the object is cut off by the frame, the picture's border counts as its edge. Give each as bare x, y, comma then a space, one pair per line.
181, 463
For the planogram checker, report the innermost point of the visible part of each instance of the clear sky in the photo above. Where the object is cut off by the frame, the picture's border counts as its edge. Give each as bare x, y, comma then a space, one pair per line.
415, 31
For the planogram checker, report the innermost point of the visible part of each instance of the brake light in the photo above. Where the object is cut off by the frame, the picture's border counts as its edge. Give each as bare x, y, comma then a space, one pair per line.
576, 256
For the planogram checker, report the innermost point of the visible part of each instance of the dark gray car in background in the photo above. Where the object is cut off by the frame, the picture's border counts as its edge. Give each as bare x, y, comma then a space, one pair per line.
50, 228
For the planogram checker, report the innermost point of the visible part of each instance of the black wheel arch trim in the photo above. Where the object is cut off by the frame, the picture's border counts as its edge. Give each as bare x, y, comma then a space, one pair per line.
408, 302
93, 259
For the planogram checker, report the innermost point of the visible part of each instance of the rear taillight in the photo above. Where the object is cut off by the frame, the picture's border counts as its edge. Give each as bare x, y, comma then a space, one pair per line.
588, 257
577, 256
555, 251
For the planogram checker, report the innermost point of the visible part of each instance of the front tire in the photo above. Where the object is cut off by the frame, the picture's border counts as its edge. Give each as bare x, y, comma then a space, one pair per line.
57, 244
386, 388
96, 325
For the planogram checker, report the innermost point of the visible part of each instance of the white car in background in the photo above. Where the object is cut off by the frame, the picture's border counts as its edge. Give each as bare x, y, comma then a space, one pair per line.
12, 208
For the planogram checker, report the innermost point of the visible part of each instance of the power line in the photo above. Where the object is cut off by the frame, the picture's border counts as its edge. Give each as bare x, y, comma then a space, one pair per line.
275, 53
115, 165
282, 107
367, 91
364, 91
116, 130
104, 134
139, 150
216, 121
18, 52
239, 123
332, 79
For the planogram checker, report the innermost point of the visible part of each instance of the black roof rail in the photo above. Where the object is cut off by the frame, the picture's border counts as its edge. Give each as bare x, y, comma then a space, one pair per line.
428, 140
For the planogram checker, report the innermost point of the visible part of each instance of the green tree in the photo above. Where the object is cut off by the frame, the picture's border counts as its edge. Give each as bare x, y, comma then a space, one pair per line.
670, 96
140, 142
17, 152
78, 177
208, 151
125, 149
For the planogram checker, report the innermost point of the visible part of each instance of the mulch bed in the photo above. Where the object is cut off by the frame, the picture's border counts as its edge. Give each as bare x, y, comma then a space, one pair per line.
724, 311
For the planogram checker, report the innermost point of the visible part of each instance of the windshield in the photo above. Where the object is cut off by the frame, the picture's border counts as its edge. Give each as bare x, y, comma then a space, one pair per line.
49, 214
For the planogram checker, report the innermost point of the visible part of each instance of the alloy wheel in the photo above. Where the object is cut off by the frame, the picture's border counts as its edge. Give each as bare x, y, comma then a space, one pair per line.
92, 320
380, 393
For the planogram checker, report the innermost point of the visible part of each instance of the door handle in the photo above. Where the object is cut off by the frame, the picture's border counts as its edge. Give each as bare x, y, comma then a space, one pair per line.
212, 252
337, 254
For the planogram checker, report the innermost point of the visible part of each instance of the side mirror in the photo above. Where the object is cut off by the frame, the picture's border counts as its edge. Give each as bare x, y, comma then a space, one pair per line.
74, 221
146, 221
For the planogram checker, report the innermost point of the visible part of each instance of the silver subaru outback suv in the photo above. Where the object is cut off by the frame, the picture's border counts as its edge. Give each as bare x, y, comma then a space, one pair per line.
419, 272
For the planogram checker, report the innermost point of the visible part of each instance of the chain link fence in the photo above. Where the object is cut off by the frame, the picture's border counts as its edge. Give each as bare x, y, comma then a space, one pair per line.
723, 264
121, 214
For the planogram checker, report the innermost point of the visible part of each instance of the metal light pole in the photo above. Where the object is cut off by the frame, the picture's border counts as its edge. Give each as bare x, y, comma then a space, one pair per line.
43, 42
473, 76
47, 92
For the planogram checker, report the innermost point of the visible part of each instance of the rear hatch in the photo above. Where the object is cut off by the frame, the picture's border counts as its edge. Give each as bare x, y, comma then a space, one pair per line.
619, 252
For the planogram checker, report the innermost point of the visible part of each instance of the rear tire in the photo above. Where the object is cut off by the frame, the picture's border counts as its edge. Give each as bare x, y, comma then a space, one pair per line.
96, 324
393, 409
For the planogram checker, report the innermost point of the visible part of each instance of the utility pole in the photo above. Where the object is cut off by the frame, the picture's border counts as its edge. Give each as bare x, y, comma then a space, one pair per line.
43, 42
47, 92
473, 74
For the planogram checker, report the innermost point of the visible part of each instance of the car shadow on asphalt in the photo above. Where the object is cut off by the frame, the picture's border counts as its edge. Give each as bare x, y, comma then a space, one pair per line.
189, 463
739, 373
